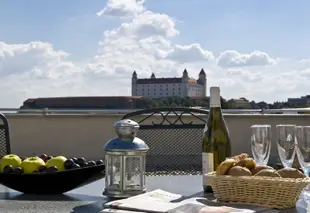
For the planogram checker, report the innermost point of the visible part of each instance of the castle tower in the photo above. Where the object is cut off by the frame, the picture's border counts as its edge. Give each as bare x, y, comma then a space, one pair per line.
153, 76
184, 86
185, 76
203, 81
134, 79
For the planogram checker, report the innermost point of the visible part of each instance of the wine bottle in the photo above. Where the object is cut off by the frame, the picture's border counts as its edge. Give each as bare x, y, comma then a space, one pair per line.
216, 145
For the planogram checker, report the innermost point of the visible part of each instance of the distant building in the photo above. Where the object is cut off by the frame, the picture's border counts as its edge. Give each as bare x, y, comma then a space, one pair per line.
240, 103
166, 87
99, 102
302, 101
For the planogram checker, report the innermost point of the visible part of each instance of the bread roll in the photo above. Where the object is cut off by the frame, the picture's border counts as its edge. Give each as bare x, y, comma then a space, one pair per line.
223, 168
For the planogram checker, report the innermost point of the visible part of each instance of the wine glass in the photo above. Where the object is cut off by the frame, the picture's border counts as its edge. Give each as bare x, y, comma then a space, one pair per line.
286, 144
302, 134
261, 143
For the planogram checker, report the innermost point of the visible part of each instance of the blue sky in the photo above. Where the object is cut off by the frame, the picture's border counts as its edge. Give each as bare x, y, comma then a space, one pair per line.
241, 44
277, 27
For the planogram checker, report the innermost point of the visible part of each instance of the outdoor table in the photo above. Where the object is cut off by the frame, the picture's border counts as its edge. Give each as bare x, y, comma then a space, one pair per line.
89, 198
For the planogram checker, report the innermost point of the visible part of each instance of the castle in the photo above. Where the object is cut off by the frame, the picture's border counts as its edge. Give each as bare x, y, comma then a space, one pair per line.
166, 87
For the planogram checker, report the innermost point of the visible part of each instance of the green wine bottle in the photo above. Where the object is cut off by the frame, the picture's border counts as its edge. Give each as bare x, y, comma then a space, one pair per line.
216, 145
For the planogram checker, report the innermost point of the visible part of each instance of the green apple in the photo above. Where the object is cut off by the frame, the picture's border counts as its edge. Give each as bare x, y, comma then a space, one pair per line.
10, 159
58, 161
31, 164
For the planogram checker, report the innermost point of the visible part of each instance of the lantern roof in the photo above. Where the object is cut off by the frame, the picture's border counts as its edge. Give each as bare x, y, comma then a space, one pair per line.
119, 145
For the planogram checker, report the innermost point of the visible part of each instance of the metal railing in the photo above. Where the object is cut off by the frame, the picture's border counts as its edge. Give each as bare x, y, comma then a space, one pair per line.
44, 111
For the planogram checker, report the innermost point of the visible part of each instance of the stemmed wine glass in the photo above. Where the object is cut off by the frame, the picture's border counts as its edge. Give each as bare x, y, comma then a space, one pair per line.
286, 144
302, 135
261, 143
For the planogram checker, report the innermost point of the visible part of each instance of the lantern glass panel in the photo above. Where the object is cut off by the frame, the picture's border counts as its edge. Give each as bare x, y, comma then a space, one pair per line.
134, 172
114, 172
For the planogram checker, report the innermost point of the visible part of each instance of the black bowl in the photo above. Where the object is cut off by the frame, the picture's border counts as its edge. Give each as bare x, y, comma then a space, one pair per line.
54, 182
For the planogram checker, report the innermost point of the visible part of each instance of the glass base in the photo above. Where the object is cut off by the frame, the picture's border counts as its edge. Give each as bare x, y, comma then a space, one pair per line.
122, 194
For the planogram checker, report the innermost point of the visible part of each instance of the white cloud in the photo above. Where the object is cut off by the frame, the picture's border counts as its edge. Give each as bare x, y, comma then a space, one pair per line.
232, 58
189, 53
122, 8
35, 57
144, 25
143, 42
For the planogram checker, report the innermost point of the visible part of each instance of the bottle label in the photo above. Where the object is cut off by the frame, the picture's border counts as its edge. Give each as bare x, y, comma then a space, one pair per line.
207, 165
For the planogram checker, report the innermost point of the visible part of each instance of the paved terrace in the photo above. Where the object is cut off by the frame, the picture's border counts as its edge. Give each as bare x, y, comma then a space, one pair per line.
84, 133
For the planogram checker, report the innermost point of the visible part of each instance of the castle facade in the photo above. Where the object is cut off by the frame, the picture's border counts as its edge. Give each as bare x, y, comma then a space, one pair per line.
167, 87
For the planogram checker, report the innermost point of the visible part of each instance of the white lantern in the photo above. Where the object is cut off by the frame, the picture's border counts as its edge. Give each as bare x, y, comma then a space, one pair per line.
125, 160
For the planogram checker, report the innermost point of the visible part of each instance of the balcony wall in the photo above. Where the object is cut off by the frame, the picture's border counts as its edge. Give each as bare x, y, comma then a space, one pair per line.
85, 135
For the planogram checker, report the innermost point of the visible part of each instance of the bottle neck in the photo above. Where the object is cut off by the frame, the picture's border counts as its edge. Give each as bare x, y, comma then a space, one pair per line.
215, 100
215, 112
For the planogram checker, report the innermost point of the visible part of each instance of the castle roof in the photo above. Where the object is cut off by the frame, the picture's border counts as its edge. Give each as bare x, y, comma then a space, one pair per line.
159, 81
202, 72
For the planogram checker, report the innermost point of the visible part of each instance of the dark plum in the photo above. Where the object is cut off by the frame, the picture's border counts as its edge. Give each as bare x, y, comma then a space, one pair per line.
68, 163
84, 165
44, 157
75, 166
18, 170
75, 159
91, 163
99, 162
42, 168
52, 169
81, 161
8, 169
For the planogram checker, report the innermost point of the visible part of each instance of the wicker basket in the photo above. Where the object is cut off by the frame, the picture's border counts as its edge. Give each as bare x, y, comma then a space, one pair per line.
271, 192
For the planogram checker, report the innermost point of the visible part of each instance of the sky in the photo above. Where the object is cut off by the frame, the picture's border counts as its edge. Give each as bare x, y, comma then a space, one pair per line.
255, 49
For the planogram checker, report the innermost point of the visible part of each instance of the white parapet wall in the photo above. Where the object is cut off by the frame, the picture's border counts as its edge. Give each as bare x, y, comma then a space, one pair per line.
86, 134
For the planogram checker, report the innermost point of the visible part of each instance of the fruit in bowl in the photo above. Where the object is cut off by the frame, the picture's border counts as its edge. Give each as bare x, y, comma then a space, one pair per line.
31, 164
11, 159
58, 162
43, 164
